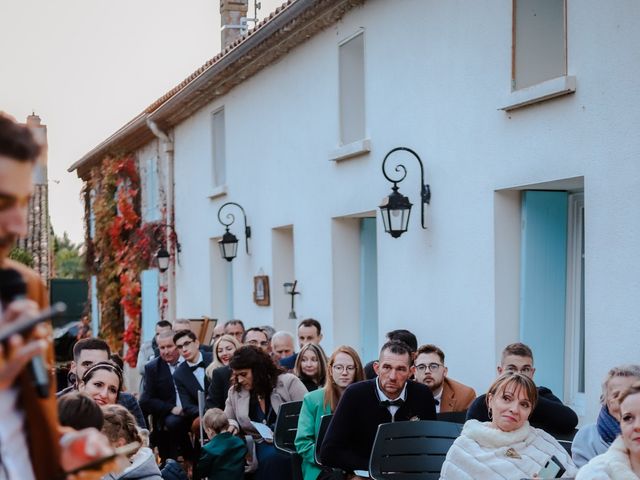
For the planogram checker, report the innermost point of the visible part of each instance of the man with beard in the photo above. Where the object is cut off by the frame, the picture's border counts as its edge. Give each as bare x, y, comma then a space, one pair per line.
449, 395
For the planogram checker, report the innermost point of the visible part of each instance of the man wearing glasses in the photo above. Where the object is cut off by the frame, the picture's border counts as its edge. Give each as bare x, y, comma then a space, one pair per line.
257, 337
549, 414
189, 376
449, 395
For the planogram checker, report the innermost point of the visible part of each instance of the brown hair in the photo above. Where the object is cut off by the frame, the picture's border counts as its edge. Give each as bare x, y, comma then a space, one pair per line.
17, 141
78, 411
331, 392
311, 322
518, 349
118, 424
320, 377
215, 419
430, 348
632, 390
518, 381
265, 372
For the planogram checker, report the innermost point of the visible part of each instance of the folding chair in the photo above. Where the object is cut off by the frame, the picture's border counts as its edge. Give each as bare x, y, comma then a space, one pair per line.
454, 417
324, 425
284, 435
411, 450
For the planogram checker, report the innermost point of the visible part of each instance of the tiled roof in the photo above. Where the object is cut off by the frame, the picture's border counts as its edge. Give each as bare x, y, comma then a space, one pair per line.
288, 26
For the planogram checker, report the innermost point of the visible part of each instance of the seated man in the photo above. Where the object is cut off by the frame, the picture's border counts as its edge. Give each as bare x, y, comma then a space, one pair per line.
401, 335
309, 331
236, 328
449, 395
282, 345
189, 377
549, 414
365, 405
160, 399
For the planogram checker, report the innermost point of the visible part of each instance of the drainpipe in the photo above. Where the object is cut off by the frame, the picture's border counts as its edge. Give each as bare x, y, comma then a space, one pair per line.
167, 148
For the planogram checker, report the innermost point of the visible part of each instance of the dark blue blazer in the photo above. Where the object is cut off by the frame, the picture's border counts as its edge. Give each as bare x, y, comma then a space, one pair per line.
159, 395
349, 438
219, 387
188, 385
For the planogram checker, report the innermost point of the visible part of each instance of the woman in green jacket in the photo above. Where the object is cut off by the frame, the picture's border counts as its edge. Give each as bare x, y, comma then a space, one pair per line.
344, 368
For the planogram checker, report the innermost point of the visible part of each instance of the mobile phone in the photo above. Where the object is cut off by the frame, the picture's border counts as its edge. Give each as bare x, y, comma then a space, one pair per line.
23, 325
123, 451
552, 469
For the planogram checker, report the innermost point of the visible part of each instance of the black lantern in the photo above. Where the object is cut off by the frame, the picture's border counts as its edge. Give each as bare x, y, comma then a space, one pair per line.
163, 260
396, 208
229, 242
290, 289
163, 257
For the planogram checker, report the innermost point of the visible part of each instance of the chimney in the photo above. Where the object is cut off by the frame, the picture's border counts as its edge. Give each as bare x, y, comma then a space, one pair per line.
233, 20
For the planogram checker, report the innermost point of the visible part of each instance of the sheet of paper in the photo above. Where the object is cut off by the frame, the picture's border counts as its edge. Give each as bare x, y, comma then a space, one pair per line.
264, 431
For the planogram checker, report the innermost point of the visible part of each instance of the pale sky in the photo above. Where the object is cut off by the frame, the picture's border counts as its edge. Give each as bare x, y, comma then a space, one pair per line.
87, 67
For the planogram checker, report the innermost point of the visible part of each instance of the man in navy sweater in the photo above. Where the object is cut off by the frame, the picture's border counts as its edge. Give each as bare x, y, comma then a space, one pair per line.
365, 405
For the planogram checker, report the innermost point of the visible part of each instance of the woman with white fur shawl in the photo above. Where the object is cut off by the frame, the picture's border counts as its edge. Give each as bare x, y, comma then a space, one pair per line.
507, 447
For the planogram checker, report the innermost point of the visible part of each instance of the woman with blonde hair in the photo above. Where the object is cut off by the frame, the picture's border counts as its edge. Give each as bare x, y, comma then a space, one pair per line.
506, 447
223, 349
622, 460
344, 368
594, 439
311, 366
120, 428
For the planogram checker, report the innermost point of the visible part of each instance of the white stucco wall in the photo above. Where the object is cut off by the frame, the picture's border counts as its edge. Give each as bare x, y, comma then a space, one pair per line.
436, 75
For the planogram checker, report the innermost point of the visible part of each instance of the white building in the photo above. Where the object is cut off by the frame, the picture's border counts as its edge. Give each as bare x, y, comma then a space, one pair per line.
529, 143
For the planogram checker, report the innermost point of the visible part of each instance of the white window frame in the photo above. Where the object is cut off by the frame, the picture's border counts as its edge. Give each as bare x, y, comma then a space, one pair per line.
574, 305
562, 84
219, 185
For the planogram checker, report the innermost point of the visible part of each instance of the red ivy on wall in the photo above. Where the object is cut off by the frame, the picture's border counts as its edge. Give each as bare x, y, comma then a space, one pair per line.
121, 248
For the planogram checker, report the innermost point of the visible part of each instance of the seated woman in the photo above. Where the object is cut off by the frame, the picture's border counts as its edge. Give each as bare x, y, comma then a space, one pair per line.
311, 366
345, 368
120, 428
78, 411
260, 389
103, 383
506, 447
594, 439
622, 460
223, 350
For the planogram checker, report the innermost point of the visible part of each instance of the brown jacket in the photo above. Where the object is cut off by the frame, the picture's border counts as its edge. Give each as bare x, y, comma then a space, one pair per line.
456, 397
41, 413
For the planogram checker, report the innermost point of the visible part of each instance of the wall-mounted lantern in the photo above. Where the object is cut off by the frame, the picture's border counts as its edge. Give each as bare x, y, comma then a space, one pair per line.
290, 289
229, 242
395, 208
163, 257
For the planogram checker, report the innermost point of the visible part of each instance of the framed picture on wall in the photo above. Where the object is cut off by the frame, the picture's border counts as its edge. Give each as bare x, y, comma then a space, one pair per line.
261, 290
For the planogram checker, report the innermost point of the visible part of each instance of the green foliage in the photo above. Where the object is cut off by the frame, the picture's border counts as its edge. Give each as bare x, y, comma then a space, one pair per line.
68, 259
22, 256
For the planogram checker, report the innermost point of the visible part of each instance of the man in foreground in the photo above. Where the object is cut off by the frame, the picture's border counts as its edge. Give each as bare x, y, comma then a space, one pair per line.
391, 397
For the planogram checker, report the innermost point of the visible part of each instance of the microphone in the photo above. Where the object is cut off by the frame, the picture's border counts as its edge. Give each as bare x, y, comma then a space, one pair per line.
13, 287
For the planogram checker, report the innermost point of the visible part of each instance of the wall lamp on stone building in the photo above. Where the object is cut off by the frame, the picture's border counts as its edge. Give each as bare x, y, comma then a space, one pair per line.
395, 208
163, 257
290, 289
229, 242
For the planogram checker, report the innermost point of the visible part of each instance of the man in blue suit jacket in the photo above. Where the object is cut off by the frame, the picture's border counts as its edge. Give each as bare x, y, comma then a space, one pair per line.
365, 405
160, 400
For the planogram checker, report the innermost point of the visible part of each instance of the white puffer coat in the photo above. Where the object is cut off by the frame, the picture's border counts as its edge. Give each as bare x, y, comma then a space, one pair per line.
484, 452
614, 464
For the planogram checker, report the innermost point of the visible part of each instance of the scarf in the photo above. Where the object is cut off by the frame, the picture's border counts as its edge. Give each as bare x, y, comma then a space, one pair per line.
608, 427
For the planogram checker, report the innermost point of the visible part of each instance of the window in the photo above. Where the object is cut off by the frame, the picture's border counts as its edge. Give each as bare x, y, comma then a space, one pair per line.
351, 85
150, 187
219, 153
539, 42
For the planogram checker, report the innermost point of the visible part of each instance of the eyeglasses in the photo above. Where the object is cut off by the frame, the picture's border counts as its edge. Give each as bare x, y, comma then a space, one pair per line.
341, 368
184, 345
256, 343
433, 367
526, 370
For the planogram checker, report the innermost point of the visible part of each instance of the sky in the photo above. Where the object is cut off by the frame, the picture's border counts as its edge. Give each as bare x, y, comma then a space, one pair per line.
87, 67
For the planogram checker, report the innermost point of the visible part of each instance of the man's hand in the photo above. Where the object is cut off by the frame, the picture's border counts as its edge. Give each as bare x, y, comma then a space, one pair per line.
18, 352
176, 410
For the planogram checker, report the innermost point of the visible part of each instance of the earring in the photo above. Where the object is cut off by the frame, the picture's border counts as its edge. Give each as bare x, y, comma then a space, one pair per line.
490, 414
